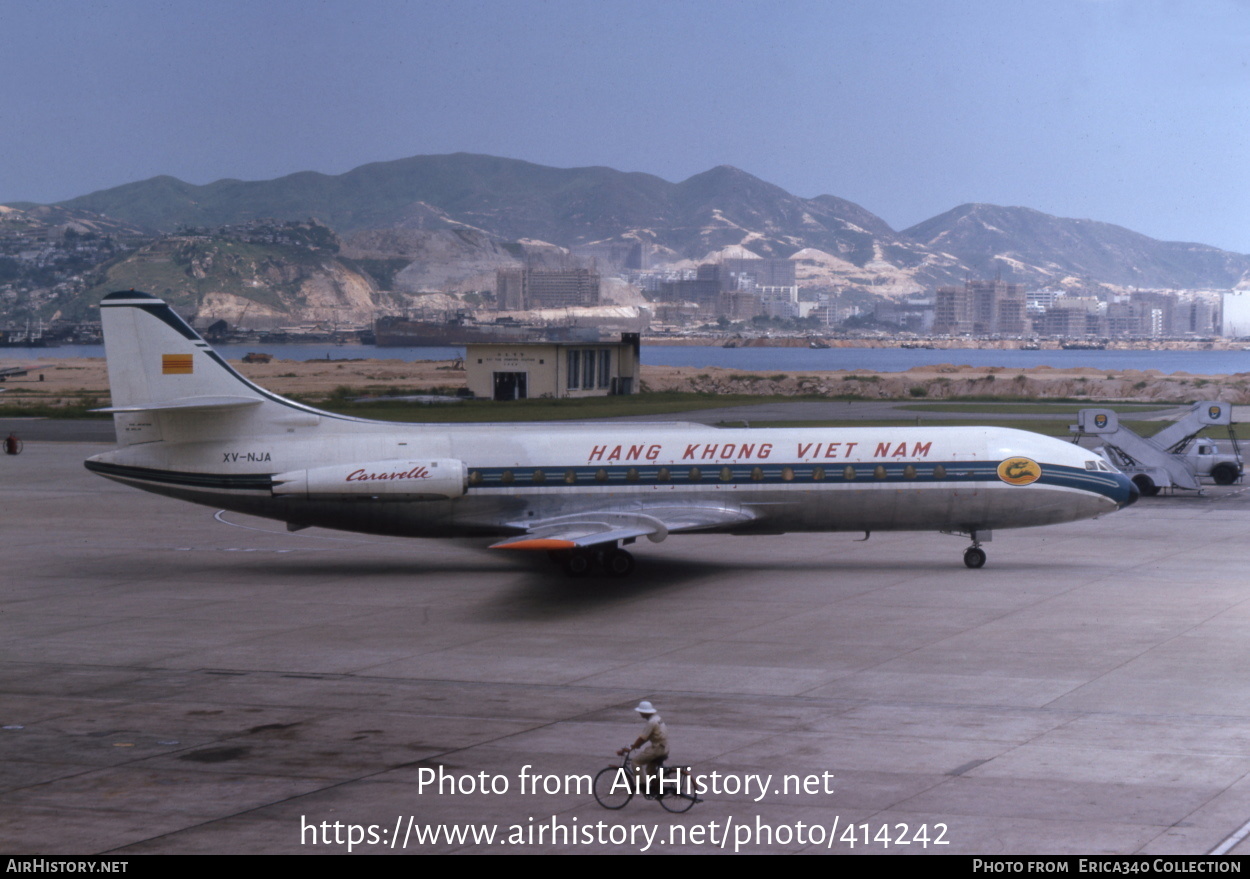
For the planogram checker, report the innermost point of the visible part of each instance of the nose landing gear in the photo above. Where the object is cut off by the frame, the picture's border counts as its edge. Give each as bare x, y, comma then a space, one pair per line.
974, 556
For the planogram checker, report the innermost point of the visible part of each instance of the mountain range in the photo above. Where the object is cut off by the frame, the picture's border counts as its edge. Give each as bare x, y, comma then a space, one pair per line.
835, 240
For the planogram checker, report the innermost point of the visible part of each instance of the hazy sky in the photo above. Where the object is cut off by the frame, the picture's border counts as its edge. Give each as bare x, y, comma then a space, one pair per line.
1135, 112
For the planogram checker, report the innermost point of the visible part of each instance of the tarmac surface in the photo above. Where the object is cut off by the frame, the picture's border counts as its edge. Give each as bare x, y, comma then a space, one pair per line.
172, 681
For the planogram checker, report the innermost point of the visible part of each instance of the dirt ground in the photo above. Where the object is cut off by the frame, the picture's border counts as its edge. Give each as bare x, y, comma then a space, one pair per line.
71, 379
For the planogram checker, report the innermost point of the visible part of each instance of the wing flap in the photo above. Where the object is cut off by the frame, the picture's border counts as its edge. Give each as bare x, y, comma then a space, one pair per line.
566, 540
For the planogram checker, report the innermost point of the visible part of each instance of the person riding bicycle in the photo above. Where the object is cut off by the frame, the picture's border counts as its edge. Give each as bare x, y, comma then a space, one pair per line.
652, 746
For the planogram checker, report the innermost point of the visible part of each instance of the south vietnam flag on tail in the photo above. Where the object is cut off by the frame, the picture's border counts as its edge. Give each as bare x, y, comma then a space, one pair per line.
176, 364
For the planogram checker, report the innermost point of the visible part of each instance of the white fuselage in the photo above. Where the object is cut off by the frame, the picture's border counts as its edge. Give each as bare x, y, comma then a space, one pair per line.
759, 480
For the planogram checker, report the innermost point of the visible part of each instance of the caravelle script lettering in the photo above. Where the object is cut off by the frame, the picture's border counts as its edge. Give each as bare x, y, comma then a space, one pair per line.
361, 475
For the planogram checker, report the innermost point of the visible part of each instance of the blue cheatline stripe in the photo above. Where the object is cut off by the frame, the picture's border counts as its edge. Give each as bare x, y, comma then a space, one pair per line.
250, 481
779, 473
158, 308
795, 475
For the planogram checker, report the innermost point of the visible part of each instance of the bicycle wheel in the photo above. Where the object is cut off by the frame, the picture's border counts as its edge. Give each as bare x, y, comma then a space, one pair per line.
678, 802
614, 787
676, 791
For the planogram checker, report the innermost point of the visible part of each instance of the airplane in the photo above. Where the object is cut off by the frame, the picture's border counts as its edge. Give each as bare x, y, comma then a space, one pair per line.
190, 427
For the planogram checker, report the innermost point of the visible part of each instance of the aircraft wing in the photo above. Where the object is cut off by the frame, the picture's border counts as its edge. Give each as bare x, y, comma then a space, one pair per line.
609, 526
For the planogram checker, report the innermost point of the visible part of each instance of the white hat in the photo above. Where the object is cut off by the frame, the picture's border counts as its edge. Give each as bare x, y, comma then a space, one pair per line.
645, 707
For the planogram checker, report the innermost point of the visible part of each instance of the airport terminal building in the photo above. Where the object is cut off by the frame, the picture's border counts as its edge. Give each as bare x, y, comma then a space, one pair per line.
521, 370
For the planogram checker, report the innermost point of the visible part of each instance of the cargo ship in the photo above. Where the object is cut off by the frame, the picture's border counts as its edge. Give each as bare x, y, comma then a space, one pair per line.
400, 332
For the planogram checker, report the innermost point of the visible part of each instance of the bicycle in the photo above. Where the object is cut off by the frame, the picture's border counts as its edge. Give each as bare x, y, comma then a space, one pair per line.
615, 786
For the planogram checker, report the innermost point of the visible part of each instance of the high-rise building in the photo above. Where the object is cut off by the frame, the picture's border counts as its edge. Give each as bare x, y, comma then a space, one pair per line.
762, 272
520, 289
1070, 316
981, 308
1156, 312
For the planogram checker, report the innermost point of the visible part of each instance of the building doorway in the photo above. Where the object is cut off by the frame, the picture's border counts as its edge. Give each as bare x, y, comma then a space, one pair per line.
510, 386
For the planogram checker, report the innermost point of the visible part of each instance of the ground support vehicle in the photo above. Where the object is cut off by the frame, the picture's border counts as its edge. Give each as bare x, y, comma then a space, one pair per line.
1175, 457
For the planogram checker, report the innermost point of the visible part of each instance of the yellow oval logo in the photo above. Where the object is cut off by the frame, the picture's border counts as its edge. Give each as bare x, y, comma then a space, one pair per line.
1019, 471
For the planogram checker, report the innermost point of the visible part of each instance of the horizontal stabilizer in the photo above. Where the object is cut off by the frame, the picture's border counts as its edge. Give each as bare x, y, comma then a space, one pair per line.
187, 403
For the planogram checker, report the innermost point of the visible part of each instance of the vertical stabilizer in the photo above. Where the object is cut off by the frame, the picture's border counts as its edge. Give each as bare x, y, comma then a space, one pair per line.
168, 384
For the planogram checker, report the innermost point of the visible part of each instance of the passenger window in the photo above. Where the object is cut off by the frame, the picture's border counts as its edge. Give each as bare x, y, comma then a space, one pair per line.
695, 474
570, 477
539, 477
818, 475
601, 475
475, 477
726, 474
878, 472
939, 472
848, 472
757, 473
506, 477
787, 474
663, 475
631, 475
909, 472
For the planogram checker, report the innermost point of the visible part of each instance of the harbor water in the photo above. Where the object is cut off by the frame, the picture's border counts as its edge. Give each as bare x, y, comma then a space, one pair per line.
767, 360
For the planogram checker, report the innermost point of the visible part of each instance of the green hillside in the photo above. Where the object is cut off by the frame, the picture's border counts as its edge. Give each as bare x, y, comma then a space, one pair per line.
264, 263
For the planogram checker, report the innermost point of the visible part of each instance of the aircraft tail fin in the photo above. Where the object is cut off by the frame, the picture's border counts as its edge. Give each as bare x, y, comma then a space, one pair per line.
167, 383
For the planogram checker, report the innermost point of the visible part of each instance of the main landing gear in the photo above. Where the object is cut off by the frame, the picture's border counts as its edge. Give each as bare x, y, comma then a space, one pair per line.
609, 561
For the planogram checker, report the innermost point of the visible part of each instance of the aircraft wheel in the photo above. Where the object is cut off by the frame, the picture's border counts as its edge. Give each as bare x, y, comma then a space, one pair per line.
577, 564
974, 557
618, 563
1145, 485
1224, 474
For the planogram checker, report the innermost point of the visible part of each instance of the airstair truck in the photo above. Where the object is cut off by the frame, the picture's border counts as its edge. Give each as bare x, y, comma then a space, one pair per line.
1174, 457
